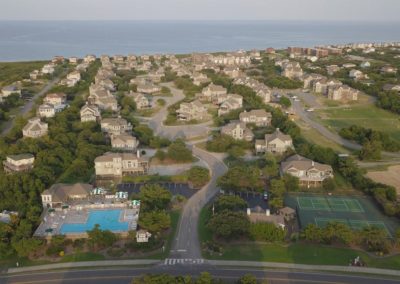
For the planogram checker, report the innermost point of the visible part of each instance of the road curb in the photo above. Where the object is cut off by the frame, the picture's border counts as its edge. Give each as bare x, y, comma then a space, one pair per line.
82, 264
290, 266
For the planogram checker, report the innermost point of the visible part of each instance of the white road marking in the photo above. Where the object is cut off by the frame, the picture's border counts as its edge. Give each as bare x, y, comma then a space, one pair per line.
183, 261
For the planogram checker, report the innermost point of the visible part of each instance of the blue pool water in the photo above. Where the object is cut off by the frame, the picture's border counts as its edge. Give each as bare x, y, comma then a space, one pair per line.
107, 219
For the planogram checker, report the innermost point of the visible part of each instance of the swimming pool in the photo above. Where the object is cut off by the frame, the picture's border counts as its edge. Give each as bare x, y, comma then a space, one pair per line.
107, 219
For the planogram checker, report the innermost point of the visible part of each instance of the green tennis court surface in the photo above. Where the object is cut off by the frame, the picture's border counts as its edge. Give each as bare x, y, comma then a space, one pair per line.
334, 204
357, 212
354, 224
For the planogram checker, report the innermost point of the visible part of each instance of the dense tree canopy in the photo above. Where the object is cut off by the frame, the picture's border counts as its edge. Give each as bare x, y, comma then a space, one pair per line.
154, 197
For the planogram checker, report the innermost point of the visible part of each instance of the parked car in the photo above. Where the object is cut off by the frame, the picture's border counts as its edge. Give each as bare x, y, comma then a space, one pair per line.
265, 196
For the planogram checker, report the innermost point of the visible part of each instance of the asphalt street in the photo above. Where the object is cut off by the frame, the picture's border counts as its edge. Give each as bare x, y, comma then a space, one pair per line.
125, 275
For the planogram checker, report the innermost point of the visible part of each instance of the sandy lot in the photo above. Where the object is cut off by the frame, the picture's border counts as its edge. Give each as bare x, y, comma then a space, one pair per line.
389, 177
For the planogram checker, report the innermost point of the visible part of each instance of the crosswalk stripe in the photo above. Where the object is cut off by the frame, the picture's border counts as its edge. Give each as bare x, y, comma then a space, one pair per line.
174, 261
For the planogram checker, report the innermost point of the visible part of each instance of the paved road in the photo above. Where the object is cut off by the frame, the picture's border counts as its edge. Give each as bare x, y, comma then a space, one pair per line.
29, 105
125, 275
308, 118
156, 122
186, 244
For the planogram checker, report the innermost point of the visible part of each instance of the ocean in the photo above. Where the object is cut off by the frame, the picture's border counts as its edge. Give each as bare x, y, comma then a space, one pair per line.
37, 40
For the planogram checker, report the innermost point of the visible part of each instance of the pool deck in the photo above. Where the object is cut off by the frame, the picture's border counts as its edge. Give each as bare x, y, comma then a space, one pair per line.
55, 220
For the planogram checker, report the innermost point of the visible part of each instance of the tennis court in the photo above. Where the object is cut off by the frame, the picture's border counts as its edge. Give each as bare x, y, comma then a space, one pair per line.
354, 224
334, 204
357, 212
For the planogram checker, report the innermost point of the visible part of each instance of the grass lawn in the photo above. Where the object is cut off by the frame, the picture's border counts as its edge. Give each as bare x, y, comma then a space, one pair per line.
204, 233
368, 116
315, 137
302, 254
290, 253
83, 256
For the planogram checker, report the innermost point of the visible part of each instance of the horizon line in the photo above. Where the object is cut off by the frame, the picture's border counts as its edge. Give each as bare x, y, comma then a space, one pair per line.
204, 20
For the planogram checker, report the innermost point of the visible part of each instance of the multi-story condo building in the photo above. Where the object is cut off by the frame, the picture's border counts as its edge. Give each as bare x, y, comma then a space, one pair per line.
238, 131
276, 142
259, 117
310, 173
35, 128
117, 165
19, 163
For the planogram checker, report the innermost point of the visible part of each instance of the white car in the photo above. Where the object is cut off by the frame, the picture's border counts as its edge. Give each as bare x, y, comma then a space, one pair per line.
310, 110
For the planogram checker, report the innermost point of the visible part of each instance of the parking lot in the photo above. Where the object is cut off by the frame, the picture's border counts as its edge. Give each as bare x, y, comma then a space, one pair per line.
175, 188
253, 199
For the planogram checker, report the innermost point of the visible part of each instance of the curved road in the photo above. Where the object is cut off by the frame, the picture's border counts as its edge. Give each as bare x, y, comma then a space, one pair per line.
186, 244
156, 122
308, 119
29, 105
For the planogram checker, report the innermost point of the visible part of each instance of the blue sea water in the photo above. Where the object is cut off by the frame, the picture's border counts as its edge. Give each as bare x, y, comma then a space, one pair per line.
29, 40
107, 219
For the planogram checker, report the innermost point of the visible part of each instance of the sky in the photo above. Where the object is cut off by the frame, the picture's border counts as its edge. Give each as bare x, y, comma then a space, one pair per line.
331, 10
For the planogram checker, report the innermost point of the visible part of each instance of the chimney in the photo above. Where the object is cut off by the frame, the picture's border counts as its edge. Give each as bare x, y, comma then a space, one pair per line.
248, 211
312, 163
138, 153
267, 212
277, 129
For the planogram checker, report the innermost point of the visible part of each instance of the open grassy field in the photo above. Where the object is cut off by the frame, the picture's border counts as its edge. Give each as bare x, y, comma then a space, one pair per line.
313, 136
391, 176
368, 116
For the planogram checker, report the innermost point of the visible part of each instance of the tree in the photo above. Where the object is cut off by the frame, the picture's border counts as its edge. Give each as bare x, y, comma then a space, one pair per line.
329, 184
154, 221
285, 102
271, 168
374, 239
247, 279
336, 232
267, 232
312, 233
24, 247
236, 152
204, 278
56, 246
154, 197
100, 239
230, 203
291, 182
229, 224
198, 176
370, 151
242, 178
178, 152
